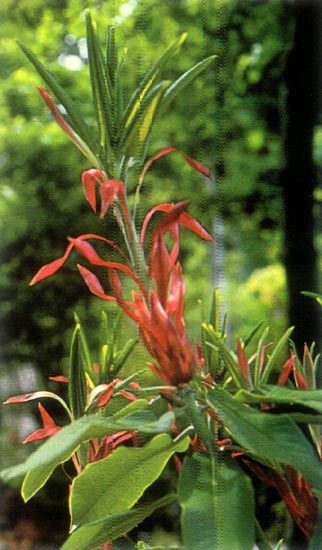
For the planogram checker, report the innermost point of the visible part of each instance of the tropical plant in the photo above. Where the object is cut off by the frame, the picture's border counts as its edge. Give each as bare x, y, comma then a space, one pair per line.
220, 417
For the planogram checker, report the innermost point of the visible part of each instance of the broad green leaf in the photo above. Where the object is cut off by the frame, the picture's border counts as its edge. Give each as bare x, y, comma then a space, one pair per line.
311, 399
185, 79
77, 391
269, 437
118, 481
217, 503
75, 119
59, 448
91, 535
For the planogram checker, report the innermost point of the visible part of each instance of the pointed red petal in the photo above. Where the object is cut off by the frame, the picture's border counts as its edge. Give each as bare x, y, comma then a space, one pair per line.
166, 151
47, 420
56, 114
100, 238
109, 190
28, 397
172, 216
60, 378
89, 180
176, 214
51, 268
94, 284
243, 362
20, 398
41, 434
159, 264
117, 291
286, 370
159, 208
195, 226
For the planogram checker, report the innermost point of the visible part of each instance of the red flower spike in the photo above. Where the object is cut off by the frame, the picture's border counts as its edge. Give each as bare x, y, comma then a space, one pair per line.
49, 427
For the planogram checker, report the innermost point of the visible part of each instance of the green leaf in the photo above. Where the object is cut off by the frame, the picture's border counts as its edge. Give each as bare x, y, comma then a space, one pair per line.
118, 481
85, 354
217, 503
74, 117
310, 399
223, 354
77, 391
147, 82
133, 140
122, 355
185, 79
91, 535
101, 89
198, 420
59, 448
275, 355
268, 437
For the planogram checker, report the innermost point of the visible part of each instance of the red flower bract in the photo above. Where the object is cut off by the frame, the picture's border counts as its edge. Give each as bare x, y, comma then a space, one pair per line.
163, 330
156, 308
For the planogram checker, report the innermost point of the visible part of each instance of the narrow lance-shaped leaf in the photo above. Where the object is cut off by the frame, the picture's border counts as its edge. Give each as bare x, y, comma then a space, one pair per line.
74, 137
102, 94
76, 120
77, 381
185, 79
148, 81
134, 138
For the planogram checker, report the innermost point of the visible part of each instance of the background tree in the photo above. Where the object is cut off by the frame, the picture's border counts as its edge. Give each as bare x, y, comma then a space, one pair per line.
300, 177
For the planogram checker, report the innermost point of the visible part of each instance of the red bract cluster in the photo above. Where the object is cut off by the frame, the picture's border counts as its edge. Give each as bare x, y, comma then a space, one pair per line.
157, 305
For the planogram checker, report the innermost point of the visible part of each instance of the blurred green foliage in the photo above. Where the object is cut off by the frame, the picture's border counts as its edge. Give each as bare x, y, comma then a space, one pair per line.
231, 119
